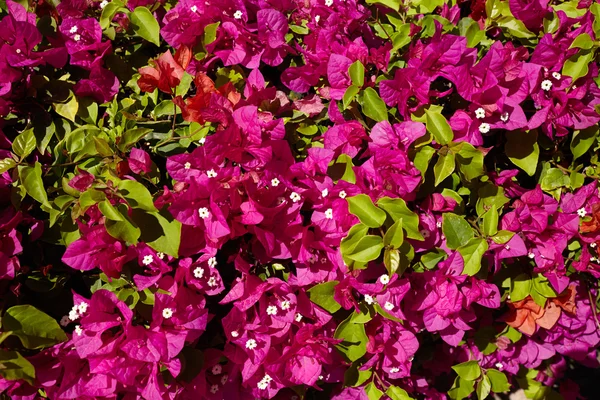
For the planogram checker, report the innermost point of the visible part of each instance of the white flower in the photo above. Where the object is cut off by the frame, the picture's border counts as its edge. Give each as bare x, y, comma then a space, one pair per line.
592, 259
187, 165
317, 18
342, 194
272, 310
484, 127
214, 389
18, 51
480, 113
593, 245
194, 8
202, 141
82, 307
224, 379
199, 272
211, 173
103, 4
64, 321
298, 317
329, 213
78, 330
295, 197
167, 313
275, 182
546, 85
147, 259
73, 315
203, 213
384, 279
581, 212
212, 262
264, 382
216, 370
235, 334
504, 117
328, 3
531, 255
369, 299
251, 344
73, 29
160, 255
556, 75
285, 305
212, 282
238, 14
77, 37
438, 224
507, 247
394, 370
499, 365
324, 192
388, 306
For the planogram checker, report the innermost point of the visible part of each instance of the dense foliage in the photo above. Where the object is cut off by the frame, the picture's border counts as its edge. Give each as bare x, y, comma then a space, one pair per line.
298, 199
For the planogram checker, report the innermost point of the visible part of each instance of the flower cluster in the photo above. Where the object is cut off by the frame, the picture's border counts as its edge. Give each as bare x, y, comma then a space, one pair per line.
296, 199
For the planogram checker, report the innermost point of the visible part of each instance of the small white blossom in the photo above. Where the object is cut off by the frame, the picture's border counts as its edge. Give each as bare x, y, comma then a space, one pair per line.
484, 127
251, 344
388, 306
295, 197
64, 321
78, 330
217, 369
73, 29
199, 272
224, 379
328, 3
504, 117
272, 310
77, 37
285, 305
18, 51
499, 365
324, 192
167, 313
593, 245
317, 18
194, 8
275, 182
438, 224
238, 14
214, 389
546, 85
531, 255
581, 212
329, 213
202, 141
187, 165
82, 307
264, 382
342, 194
592, 259
212, 262
211, 173
103, 4
203, 213
394, 370
148, 259
480, 113
212, 282
235, 334
556, 75
369, 299
160, 255
298, 317
507, 247
73, 315
384, 279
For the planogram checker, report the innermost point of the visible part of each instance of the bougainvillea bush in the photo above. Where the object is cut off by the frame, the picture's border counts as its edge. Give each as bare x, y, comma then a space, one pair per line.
298, 199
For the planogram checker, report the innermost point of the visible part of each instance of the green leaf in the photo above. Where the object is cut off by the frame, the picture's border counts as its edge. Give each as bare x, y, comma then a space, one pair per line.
520, 287
322, 295
36, 329
470, 161
438, 126
472, 254
497, 380
393, 4
543, 287
349, 95
160, 231
354, 344
210, 33
483, 388
461, 389
444, 167
523, 150
109, 211
357, 73
582, 140
422, 159
108, 13
31, 179
6, 164
396, 393
145, 25
13, 367
582, 41
372, 105
394, 236
456, 229
24, 143
68, 109
131, 137
355, 233
136, 194
123, 229
369, 214
468, 370
367, 249
391, 260
502, 237
577, 65
397, 209
372, 392
490, 222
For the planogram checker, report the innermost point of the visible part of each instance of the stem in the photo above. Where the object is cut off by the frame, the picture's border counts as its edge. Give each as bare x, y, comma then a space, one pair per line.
593, 306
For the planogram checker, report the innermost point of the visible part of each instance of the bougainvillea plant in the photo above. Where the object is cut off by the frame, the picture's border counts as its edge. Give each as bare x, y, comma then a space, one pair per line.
298, 199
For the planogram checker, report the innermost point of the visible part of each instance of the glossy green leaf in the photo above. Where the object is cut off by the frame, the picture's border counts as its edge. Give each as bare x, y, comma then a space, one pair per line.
483, 388
577, 65
394, 236
391, 260
372, 105
468, 370
13, 367
461, 389
582, 140
136, 194
367, 249
523, 150
393, 4
472, 253
396, 393
457, 230
438, 126
498, 381
397, 209
145, 25
31, 179
322, 295
6, 164
24, 143
355, 233
131, 137
520, 287
34, 328
444, 167
368, 213
354, 344
210, 33
68, 109
373, 393
357, 73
